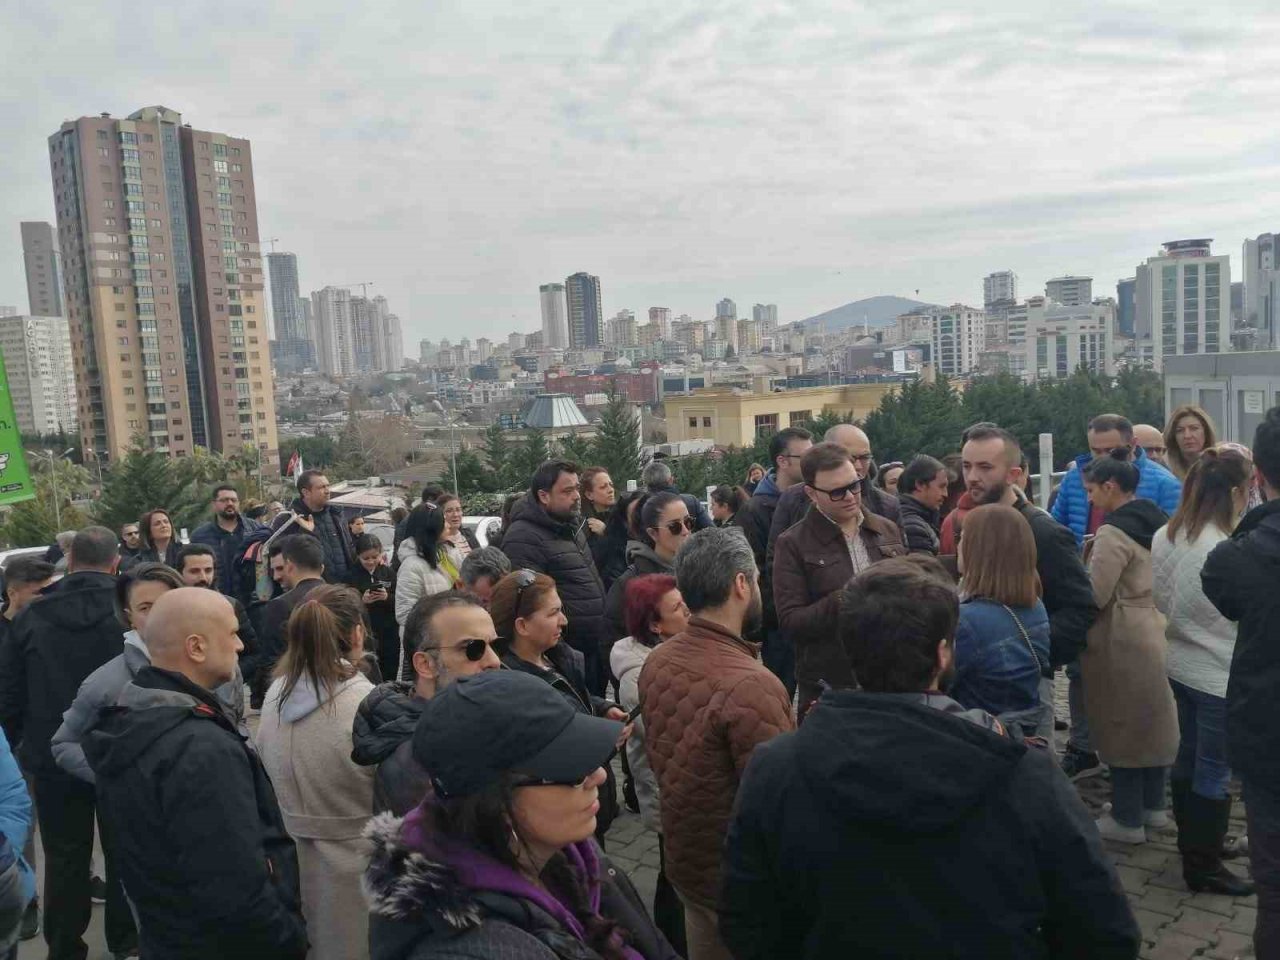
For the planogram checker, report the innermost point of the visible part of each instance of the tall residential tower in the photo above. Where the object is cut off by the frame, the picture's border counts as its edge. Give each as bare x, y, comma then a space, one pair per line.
158, 229
586, 315
44, 269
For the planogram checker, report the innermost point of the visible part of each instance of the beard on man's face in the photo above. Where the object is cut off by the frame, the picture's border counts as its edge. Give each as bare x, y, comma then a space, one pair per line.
992, 494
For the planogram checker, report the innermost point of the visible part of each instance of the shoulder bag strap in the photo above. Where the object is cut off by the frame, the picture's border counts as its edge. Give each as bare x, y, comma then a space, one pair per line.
1026, 638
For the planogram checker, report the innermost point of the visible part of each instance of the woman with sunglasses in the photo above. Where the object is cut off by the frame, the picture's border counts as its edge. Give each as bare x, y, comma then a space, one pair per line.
499, 861
304, 740
530, 620
664, 525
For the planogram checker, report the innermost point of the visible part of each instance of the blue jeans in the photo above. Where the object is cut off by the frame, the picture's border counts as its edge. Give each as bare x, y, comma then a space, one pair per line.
1202, 749
1078, 737
1135, 790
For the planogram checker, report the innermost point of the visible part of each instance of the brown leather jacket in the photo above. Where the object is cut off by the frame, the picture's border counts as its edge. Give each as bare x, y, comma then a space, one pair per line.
810, 566
707, 702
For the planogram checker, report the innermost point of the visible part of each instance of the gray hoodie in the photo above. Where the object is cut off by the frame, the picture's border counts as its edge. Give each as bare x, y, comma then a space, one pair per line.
103, 687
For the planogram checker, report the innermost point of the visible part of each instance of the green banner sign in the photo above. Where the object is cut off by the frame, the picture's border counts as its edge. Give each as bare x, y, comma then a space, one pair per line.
15, 480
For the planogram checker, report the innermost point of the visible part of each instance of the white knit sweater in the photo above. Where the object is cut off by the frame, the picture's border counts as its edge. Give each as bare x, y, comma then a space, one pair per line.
1201, 640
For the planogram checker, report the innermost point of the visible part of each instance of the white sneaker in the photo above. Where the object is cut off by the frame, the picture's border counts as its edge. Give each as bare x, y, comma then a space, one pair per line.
1110, 829
1155, 819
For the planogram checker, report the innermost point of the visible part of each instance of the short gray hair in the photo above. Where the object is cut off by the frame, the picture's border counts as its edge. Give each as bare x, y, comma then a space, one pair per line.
484, 562
656, 474
94, 548
708, 564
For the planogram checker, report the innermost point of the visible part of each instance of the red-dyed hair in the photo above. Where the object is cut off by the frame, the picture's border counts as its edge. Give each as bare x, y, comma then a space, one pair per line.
641, 604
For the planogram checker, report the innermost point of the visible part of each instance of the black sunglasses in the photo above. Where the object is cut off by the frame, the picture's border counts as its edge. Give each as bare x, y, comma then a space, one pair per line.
839, 493
474, 648
525, 579
521, 780
675, 526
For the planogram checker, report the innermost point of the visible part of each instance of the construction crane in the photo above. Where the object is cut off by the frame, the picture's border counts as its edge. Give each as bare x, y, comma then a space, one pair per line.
273, 241
364, 287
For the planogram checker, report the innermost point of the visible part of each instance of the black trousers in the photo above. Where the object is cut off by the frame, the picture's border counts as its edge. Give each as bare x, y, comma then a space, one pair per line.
668, 911
65, 809
1262, 813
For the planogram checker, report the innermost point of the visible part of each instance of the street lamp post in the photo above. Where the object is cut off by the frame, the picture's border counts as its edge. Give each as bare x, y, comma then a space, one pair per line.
453, 456
53, 480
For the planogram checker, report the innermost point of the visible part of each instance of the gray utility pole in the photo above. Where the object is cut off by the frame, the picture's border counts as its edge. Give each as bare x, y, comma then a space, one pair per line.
53, 480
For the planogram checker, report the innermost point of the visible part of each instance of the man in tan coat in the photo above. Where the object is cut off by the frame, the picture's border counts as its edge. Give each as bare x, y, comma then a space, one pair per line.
707, 702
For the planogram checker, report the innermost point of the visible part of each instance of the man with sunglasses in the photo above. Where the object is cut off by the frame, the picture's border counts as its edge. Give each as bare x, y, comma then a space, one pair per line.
451, 636
814, 560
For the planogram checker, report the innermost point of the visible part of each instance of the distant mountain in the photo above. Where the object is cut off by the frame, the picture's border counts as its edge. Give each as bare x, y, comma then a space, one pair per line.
874, 311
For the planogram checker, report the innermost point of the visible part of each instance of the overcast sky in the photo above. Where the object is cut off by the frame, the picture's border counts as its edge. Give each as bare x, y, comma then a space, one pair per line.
459, 154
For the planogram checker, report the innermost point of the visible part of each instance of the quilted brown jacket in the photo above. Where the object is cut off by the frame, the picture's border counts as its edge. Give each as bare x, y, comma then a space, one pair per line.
707, 702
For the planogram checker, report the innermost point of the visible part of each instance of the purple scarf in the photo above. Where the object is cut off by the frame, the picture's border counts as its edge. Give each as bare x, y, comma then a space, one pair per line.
477, 871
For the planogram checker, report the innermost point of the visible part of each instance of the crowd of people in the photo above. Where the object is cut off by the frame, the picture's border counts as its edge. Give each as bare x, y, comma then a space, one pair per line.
829, 691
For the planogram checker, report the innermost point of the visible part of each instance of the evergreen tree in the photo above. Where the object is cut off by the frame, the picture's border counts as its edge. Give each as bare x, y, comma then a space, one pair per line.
498, 451
617, 446
34, 522
526, 458
143, 480
579, 449
473, 476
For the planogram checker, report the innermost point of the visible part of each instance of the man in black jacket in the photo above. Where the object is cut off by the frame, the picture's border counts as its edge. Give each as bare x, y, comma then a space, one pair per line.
325, 523
198, 567
992, 464
896, 820
1240, 578
303, 570
545, 535
203, 849
451, 636
61, 638
922, 490
225, 535
657, 478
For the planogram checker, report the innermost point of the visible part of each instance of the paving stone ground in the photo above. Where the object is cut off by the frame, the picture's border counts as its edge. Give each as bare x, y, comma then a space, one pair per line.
1176, 923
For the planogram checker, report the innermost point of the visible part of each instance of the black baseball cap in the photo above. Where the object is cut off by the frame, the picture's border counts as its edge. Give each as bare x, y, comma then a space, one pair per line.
505, 721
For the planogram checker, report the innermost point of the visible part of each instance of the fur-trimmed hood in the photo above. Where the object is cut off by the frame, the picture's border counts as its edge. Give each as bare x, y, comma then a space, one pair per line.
405, 884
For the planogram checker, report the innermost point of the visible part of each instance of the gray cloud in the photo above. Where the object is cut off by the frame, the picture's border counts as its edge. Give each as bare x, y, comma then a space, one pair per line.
795, 152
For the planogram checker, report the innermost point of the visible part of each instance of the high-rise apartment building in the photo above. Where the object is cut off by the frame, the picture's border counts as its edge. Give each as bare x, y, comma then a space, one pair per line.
388, 338
726, 308
43, 265
622, 330
362, 334
484, 349
748, 336
1070, 291
163, 283
555, 324
290, 312
334, 333
1126, 306
584, 310
661, 316
1002, 285
765, 314
959, 335
37, 360
1182, 300
1261, 303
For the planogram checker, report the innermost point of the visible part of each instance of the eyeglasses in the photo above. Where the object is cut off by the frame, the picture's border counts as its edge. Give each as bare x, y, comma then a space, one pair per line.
474, 648
675, 526
839, 493
521, 780
860, 457
524, 580
1151, 449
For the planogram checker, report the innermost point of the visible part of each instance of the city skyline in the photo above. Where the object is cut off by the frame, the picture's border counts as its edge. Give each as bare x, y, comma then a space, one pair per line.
498, 169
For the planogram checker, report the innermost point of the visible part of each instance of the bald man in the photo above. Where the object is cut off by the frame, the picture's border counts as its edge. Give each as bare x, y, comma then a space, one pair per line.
203, 849
1151, 440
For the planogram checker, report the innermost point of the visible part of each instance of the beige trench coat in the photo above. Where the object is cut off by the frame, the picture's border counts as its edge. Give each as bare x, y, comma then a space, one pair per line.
326, 800
1133, 721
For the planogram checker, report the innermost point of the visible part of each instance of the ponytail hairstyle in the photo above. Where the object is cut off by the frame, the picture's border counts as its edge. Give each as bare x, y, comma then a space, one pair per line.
1114, 467
1206, 494
424, 527
318, 640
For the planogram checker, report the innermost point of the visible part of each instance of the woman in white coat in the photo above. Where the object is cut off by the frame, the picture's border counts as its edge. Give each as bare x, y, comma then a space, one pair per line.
304, 739
428, 565
653, 611
1201, 644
